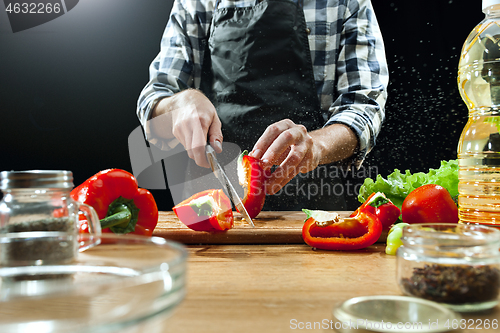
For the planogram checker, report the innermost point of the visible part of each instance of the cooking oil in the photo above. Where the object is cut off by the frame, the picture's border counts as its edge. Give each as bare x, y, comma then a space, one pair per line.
479, 145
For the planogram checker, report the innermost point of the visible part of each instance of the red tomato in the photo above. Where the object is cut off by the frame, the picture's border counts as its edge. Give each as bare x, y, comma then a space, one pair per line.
429, 204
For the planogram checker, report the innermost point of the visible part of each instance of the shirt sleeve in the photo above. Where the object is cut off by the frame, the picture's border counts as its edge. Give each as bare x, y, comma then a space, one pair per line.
362, 77
178, 64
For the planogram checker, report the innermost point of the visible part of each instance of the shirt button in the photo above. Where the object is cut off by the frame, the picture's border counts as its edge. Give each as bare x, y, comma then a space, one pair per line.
308, 31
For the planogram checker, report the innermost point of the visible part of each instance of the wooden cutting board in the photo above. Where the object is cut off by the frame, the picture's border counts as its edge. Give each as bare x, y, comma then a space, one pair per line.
270, 228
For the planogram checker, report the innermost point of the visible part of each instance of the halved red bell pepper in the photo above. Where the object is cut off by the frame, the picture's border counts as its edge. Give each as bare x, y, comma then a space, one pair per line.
252, 177
120, 204
379, 205
327, 231
209, 210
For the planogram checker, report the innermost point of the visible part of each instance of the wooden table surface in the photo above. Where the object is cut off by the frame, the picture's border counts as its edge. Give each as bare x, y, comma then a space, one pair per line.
284, 287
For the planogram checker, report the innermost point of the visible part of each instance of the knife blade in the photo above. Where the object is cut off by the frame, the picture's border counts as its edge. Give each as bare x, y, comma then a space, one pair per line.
224, 180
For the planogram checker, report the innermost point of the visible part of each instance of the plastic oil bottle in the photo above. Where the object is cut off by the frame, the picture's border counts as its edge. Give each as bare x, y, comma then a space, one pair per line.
479, 145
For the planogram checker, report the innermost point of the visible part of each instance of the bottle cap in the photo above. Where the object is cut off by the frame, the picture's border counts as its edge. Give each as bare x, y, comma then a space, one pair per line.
487, 3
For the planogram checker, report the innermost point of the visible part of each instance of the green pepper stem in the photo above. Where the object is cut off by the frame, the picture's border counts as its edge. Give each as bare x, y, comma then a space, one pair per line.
121, 218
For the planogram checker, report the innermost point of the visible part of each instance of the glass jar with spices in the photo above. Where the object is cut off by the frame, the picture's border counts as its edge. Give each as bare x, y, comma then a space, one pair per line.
39, 222
457, 265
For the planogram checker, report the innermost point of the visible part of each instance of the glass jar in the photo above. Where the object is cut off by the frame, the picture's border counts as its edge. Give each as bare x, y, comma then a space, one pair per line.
39, 222
457, 265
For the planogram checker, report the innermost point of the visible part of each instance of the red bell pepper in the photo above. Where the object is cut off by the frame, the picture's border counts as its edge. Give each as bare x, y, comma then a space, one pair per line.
429, 203
379, 205
252, 177
209, 210
121, 206
327, 231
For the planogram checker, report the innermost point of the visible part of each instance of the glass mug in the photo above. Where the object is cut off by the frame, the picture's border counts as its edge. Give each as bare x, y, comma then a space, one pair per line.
39, 222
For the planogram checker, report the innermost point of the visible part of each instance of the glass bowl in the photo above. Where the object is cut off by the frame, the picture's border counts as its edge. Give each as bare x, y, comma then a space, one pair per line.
388, 313
121, 285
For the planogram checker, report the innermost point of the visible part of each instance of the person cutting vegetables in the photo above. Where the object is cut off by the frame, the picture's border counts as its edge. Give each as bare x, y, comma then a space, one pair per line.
302, 83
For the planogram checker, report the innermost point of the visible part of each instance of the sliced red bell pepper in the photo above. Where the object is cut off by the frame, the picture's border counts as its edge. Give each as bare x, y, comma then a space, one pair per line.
209, 210
121, 206
327, 231
379, 205
252, 177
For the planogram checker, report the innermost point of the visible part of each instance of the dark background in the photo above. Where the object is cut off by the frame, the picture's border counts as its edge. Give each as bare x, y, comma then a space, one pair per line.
69, 87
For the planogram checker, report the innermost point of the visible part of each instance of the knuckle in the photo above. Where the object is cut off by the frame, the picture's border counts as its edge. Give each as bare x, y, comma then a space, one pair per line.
288, 135
217, 120
302, 128
273, 128
205, 120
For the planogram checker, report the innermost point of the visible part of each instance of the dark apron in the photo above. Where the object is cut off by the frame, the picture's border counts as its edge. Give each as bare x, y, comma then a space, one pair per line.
259, 71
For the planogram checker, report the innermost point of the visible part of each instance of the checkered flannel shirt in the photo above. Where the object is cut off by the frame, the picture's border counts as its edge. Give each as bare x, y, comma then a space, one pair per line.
347, 51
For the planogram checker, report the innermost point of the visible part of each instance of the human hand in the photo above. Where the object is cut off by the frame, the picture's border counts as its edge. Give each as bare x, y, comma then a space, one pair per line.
291, 148
193, 119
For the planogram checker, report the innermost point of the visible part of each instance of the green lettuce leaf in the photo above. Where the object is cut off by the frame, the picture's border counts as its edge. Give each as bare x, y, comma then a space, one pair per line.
398, 185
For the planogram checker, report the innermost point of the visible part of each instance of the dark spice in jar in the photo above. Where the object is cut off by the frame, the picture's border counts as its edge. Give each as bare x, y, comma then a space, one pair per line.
48, 250
454, 284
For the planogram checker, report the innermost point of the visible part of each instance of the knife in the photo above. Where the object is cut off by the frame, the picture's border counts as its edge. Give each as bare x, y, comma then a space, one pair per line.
222, 177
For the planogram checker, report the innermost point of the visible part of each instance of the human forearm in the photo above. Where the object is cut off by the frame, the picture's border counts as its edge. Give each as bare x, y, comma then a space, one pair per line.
334, 143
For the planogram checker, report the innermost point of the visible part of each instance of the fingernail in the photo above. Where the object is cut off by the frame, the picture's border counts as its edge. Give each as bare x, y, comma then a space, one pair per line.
255, 153
218, 145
